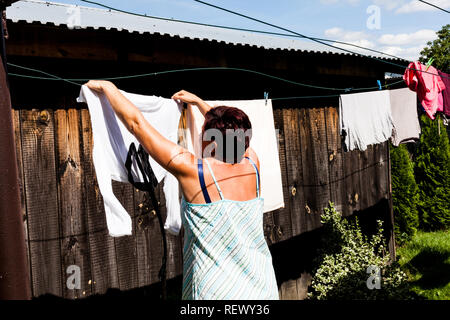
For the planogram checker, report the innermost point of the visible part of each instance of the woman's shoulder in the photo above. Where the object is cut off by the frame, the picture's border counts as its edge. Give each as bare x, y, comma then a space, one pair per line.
252, 155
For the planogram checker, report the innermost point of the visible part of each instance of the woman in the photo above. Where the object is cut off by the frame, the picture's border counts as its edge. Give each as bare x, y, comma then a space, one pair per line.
225, 255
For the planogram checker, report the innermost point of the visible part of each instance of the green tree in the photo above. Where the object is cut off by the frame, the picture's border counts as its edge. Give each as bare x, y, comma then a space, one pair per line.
432, 156
405, 196
439, 50
432, 172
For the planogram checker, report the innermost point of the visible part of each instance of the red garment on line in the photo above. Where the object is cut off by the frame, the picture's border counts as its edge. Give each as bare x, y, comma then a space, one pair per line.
427, 86
445, 77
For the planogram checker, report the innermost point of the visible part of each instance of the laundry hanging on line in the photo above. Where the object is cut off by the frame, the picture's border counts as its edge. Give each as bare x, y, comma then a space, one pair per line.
365, 118
446, 92
404, 115
264, 142
112, 141
428, 86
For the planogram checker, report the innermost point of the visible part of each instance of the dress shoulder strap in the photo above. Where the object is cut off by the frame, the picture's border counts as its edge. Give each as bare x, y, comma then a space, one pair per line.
257, 175
201, 179
214, 178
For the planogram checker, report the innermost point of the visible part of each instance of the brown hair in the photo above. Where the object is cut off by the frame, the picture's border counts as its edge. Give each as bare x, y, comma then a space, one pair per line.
223, 118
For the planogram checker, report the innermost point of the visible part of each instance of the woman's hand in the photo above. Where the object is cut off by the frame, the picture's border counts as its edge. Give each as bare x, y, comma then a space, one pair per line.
192, 99
99, 85
187, 97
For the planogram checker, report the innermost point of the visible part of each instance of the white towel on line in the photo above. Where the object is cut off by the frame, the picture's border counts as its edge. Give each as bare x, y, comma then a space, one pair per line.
404, 115
111, 144
264, 141
366, 118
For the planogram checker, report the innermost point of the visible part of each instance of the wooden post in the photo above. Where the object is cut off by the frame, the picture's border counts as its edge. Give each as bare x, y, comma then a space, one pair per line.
14, 272
391, 208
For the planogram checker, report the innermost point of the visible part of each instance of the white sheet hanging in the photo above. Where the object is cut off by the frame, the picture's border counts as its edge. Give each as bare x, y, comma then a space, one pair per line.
111, 144
264, 141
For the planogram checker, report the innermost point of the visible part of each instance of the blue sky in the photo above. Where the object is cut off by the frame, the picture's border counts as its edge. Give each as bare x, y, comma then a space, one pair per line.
403, 27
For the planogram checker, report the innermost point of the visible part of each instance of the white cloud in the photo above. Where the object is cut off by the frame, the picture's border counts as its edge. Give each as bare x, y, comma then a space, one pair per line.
415, 38
358, 38
411, 53
404, 45
341, 34
417, 6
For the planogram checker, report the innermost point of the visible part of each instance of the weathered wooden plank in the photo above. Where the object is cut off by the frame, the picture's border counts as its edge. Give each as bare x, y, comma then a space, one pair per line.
352, 181
174, 257
381, 171
374, 188
310, 173
74, 239
365, 177
18, 143
335, 156
126, 255
384, 177
282, 228
319, 168
373, 199
269, 227
302, 285
104, 274
142, 219
39, 175
289, 290
294, 170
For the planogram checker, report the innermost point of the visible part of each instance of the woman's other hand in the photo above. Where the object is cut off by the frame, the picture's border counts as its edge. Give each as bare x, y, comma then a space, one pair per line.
186, 97
98, 85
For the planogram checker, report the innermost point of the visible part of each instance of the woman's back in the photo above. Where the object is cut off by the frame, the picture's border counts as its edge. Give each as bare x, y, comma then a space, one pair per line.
225, 253
237, 181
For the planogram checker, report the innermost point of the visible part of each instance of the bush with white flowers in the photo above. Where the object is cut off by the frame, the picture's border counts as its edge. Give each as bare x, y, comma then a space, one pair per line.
345, 259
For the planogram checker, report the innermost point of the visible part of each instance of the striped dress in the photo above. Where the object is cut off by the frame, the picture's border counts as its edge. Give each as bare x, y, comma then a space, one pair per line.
225, 254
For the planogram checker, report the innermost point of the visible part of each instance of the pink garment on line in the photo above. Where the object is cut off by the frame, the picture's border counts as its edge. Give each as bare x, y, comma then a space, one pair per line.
427, 86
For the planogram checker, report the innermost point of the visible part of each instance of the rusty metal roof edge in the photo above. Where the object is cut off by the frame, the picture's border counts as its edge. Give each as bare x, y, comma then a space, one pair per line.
80, 17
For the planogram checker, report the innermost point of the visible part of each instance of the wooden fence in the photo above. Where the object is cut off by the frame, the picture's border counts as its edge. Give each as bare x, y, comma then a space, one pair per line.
64, 216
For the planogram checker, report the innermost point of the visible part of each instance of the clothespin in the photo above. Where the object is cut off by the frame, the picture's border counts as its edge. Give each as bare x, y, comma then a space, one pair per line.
348, 89
429, 63
266, 96
379, 84
445, 120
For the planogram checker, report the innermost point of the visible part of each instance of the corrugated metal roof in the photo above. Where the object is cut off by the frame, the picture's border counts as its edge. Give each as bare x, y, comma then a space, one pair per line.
44, 12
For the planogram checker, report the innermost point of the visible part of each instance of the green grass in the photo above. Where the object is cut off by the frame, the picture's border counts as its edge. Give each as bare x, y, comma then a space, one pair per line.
426, 259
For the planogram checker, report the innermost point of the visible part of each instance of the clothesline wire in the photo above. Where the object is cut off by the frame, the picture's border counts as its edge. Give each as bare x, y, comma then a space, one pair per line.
311, 38
238, 29
72, 81
433, 5
54, 77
